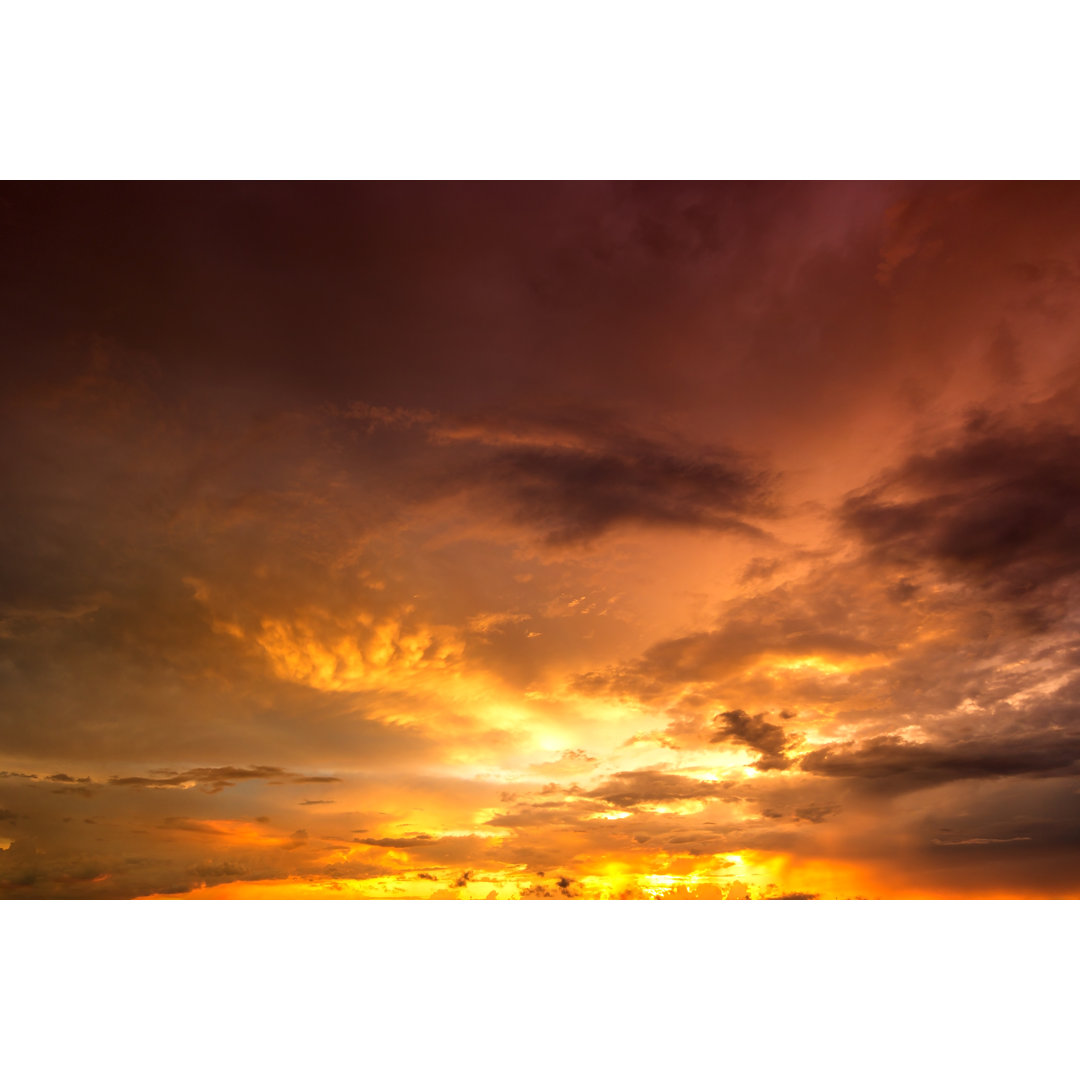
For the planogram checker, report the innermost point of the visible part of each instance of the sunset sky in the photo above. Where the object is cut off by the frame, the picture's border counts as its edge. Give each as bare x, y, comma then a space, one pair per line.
480, 540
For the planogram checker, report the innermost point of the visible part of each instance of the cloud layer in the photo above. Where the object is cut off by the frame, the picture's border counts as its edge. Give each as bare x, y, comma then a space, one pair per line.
549, 541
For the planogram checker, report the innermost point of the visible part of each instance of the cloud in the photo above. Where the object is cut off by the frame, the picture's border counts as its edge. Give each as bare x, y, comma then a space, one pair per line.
191, 825
575, 476
568, 763
980, 840
759, 569
351, 870
211, 871
891, 764
420, 840
770, 740
575, 494
782, 625
217, 779
643, 786
814, 814
998, 507
218, 559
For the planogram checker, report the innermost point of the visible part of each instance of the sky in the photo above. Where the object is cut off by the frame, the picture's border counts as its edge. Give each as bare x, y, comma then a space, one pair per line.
555, 540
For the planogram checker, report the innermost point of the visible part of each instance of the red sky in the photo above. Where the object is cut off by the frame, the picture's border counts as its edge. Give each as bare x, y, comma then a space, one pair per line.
570, 540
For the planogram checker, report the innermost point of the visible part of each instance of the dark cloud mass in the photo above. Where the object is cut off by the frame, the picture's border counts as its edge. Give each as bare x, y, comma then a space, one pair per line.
559, 540
889, 763
999, 507
572, 495
757, 733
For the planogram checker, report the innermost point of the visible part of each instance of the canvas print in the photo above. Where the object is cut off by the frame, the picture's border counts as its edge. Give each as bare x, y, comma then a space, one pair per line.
470, 540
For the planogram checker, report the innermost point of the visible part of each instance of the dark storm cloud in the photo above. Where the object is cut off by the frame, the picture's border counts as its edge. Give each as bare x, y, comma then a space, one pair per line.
999, 507
891, 764
217, 779
575, 474
574, 494
770, 740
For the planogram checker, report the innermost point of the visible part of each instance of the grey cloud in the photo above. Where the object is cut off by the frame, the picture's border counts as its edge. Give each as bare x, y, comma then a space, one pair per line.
575, 494
770, 740
999, 507
892, 765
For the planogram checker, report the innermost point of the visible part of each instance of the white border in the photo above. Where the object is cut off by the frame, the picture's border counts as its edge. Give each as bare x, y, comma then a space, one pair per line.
584, 89
840, 989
